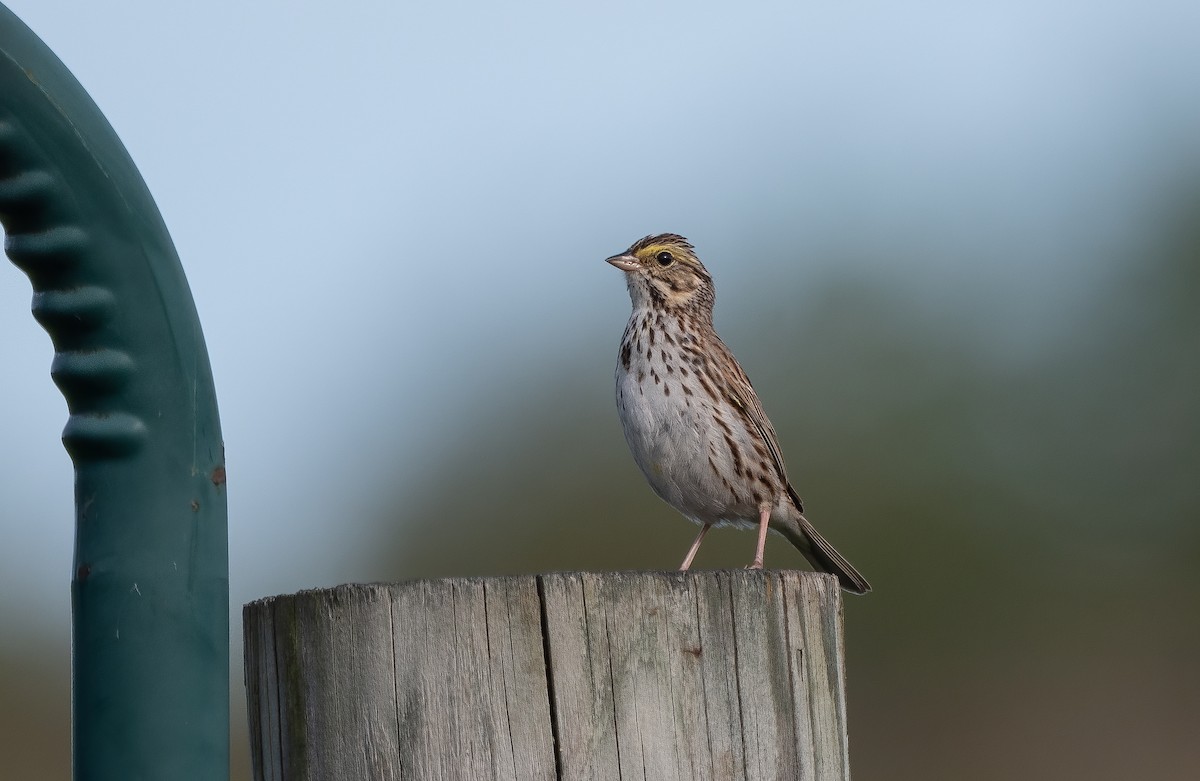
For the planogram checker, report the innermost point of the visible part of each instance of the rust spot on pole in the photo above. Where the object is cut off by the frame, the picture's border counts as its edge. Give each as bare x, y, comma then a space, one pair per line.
218, 476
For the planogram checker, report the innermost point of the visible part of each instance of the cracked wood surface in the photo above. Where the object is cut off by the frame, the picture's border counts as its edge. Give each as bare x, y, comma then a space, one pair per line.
628, 675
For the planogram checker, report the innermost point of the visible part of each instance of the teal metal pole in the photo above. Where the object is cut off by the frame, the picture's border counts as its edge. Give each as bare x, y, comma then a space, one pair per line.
150, 589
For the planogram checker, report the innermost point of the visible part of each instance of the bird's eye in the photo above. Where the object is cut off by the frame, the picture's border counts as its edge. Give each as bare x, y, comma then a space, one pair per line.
664, 258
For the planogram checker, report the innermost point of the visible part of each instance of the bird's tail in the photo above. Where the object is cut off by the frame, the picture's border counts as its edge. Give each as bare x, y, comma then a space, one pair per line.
822, 555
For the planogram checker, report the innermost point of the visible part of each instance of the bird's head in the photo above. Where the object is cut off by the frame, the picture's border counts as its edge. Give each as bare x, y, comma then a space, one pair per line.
663, 272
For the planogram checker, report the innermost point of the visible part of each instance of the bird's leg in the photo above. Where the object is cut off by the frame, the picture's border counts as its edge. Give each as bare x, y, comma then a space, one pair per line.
764, 517
691, 554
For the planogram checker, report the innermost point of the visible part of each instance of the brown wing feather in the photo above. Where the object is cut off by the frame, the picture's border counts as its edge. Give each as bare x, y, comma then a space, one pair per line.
740, 393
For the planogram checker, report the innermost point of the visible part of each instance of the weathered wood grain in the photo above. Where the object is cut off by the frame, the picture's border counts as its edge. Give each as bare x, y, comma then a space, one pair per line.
643, 675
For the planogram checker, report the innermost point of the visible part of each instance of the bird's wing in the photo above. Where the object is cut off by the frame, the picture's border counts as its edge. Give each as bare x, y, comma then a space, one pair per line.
738, 391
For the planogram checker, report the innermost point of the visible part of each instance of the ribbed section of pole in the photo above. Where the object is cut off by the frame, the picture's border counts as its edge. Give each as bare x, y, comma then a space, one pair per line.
570, 676
150, 582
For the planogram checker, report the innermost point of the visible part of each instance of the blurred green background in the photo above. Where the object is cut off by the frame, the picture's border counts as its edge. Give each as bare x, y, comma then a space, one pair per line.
957, 250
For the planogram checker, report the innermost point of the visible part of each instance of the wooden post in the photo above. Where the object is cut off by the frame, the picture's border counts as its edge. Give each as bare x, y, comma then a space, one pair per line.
629, 675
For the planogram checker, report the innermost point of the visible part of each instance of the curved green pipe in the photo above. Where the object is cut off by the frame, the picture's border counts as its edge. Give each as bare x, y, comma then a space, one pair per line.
150, 588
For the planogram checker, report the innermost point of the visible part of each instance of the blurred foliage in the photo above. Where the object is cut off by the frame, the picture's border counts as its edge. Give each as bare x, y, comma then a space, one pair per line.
1028, 518
36, 718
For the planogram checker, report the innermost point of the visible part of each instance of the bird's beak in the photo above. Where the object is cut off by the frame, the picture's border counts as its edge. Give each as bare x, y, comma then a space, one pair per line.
624, 262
